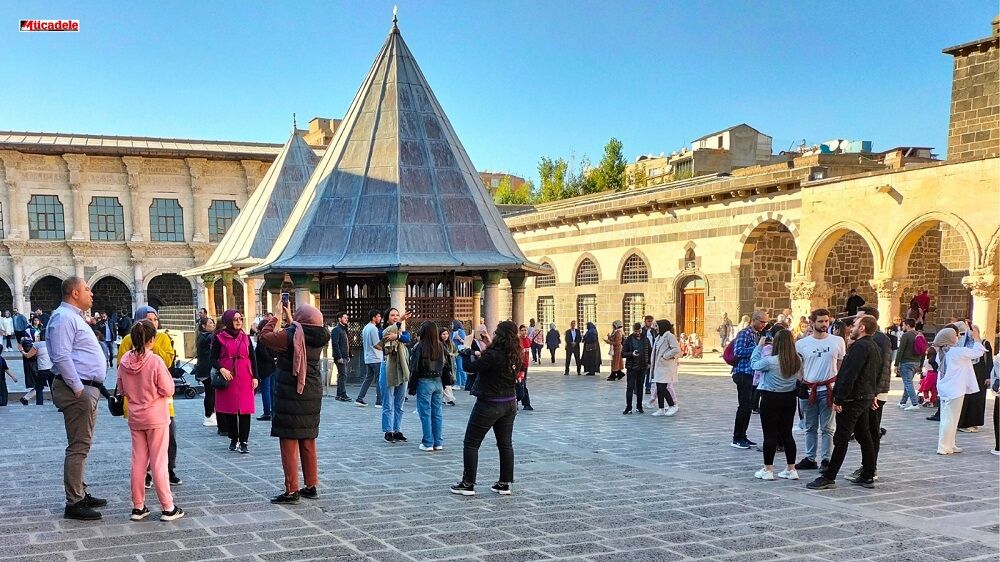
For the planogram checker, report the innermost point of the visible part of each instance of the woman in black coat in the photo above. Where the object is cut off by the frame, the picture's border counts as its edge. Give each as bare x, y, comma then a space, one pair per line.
974, 407
591, 350
203, 370
298, 398
552, 341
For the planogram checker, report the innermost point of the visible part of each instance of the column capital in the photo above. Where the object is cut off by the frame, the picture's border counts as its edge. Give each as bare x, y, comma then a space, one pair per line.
251, 170
397, 278
516, 279
477, 285
806, 289
209, 279
196, 167
492, 278
982, 286
300, 280
227, 277
889, 288
133, 167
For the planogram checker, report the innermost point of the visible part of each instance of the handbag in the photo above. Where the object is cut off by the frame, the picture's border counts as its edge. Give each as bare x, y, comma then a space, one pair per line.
218, 381
116, 405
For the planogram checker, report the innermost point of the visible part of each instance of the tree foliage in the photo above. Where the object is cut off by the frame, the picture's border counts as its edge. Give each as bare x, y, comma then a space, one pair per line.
552, 175
560, 181
506, 195
610, 172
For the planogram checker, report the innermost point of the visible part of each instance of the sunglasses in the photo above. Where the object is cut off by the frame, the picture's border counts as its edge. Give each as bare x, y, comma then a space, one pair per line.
237, 319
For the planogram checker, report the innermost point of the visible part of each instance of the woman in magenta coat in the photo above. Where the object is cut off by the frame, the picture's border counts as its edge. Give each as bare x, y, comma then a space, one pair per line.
233, 356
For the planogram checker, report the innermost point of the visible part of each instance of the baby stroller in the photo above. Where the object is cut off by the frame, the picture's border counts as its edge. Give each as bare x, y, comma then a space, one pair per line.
181, 385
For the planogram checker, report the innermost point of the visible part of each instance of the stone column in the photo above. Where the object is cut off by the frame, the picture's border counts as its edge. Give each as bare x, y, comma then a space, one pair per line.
397, 290
491, 282
74, 162
199, 209
133, 165
78, 268
985, 289
888, 291
314, 291
807, 295
228, 295
18, 263
137, 278
208, 281
199, 293
516, 280
15, 209
251, 170
477, 305
302, 293
250, 299
274, 303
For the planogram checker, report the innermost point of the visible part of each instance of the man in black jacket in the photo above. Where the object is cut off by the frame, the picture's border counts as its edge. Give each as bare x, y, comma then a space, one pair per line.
636, 351
885, 378
853, 397
341, 355
573, 347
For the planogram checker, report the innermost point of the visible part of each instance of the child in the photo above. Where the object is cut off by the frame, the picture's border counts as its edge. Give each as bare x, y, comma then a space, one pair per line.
522, 380
146, 382
928, 381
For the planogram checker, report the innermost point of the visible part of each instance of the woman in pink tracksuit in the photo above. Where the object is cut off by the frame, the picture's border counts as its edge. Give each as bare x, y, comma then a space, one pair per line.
143, 379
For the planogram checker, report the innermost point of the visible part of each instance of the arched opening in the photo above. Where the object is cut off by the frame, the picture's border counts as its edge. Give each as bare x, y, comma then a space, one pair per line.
173, 298
220, 294
6, 297
765, 267
691, 306
937, 262
586, 273
849, 265
635, 270
46, 293
111, 295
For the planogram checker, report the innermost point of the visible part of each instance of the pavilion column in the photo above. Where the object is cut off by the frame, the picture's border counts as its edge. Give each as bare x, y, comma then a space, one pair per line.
807, 295
397, 290
491, 283
74, 163
888, 291
302, 292
516, 279
209, 283
477, 302
250, 296
229, 296
985, 289
137, 279
18, 262
314, 292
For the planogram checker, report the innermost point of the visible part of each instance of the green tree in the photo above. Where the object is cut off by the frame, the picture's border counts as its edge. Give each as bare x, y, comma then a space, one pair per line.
552, 175
610, 172
505, 195
641, 179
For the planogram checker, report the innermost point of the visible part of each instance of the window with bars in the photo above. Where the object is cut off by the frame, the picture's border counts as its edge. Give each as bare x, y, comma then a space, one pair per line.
635, 270
633, 309
586, 274
221, 214
546, 311
543, 281
45, 218
166, 221
586, 310
107, 219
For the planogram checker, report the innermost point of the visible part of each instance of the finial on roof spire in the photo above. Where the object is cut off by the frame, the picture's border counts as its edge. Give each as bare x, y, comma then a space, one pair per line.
395, 12
295, 126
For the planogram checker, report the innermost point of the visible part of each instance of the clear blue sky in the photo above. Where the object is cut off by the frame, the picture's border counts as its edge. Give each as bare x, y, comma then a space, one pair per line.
518, 79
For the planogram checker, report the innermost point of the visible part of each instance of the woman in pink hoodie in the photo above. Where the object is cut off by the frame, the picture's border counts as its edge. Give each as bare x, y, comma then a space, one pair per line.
143, 379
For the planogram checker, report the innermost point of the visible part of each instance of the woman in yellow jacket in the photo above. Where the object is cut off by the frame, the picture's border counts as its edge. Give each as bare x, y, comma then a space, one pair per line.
163, 348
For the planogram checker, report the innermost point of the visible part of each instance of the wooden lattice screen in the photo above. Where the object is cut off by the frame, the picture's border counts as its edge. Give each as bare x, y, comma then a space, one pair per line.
356, 296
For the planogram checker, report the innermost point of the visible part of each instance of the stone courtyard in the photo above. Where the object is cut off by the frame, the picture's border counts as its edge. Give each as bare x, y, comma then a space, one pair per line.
591, 484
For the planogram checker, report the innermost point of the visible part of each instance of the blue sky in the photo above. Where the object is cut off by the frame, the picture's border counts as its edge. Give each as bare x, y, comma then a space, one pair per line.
518, 79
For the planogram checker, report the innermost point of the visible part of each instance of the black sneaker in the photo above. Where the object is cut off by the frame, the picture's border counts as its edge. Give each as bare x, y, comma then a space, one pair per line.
81, 512
399, 436
343, 399
360, 403
627, 412
265, 417
749, 442
286, 498
175, 513
821, 483
390, 437
865, 482
806, 464
149, 481
935, 417
740, 444
378, 402
174, 479
639, 411
501, 488
528, 409
854, 476
24, 401
823, 464
463, 489
244, 449
139, 514
91, 501
309, 492
232, 444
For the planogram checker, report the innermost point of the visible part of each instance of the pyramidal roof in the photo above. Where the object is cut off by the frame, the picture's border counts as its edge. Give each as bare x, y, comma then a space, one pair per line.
251, 236
395, 190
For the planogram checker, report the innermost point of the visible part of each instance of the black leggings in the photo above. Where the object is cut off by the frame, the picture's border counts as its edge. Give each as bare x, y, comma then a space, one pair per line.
238, 426
209, 398
777, 413
553, 352
996, 423
663, 393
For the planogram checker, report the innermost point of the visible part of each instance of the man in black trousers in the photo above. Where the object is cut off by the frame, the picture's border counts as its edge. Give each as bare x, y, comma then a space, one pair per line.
572, 347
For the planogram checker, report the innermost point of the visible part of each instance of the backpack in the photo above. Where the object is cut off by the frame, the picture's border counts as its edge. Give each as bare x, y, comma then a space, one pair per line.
729, 354
920, 344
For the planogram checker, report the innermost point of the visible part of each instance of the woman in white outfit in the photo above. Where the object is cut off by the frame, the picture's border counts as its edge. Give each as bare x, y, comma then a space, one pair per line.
956, 378
663, 366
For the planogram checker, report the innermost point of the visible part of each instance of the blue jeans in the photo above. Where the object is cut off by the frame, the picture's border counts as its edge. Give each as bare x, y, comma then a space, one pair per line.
392, 403
460, 378
371, 373
906, 372
429, 393
267, 393
819, 419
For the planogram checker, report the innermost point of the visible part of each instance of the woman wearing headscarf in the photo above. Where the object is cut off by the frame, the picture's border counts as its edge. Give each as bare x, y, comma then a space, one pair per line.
615, 340
295, 414
974, 407
203, 370
591, 351
552, 341
233, 356
458, 338
956, 378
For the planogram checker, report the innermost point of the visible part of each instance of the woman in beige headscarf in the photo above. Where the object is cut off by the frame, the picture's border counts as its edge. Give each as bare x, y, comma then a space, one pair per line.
956, 378
615, 339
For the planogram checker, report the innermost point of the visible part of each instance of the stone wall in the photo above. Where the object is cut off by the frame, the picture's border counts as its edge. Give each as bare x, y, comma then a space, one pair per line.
762, 281
6, 297
46, 294
922, 268
953, 299
111, 295
850, 265
974, 129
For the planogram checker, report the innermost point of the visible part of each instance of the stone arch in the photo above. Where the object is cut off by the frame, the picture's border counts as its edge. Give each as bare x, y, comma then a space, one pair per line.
547, 280
159, 272
111, 294
816, 258
896, 263
173, 298
690, 309
6, 294
639, 254
46, 293
46, 271
581, 259
846, 256
119, 275
748, 232
765, 258
991, 257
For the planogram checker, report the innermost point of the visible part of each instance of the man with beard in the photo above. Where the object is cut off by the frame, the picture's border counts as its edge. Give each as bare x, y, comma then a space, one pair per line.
821, 356
885, 378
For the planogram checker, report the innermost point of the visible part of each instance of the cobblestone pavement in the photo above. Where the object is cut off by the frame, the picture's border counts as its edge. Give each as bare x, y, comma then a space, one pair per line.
591, 484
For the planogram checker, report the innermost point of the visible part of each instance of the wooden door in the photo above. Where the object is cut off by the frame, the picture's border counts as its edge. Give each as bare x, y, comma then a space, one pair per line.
694, 312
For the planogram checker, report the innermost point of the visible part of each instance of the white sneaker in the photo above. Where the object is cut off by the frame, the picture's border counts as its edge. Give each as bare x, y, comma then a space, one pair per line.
425, 448
995, 452
901, 405
789, 474
210, 421
672, 410
911, 407
957, 450
660, 412
764, 474
438, 447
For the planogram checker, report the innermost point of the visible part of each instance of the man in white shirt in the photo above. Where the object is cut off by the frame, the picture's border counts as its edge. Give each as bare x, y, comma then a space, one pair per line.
821, 356
370, 341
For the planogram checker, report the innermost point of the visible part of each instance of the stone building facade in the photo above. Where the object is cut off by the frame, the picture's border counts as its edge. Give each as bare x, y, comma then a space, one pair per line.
975, 98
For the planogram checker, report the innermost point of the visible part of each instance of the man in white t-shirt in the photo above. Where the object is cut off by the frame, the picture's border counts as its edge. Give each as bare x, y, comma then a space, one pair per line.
821, 356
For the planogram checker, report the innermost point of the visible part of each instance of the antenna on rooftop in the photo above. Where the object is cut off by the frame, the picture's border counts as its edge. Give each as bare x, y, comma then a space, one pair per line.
295, 126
